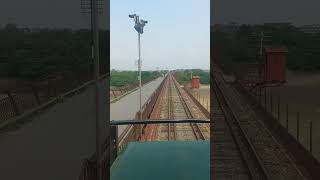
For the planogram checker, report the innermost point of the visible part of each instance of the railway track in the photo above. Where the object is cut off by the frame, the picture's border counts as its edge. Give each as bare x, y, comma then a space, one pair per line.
242, 144
178, 105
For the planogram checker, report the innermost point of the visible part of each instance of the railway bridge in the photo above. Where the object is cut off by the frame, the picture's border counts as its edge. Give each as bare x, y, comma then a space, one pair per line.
248, 143
242, 141
245, 141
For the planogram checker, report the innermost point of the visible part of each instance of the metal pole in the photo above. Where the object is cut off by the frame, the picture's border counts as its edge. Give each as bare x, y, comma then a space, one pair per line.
14, 104
310, 143
271, 103
298, 126
265, 98
278, 108
260, 95
261, 43
139, 67
287, 114
95, 34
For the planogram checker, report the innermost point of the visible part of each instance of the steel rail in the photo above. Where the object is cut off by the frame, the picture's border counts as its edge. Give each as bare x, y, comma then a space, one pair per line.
170, 104
169, 107
260, 139
156, 121
195, 128
248, 154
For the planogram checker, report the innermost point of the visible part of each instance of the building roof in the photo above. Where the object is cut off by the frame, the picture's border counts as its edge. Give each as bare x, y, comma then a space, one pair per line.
159, 160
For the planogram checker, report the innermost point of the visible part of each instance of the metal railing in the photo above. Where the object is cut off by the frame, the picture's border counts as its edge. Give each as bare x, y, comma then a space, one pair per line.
31, 97
118, 92
110, 151
148, 106
114, 147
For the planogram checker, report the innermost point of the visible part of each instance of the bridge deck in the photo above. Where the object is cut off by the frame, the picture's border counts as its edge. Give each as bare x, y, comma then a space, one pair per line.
128, 106
54, 144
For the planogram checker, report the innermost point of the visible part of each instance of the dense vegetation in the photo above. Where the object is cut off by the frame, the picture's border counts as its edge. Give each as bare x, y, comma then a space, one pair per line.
123, 78
234, 49
185, 76
31, 53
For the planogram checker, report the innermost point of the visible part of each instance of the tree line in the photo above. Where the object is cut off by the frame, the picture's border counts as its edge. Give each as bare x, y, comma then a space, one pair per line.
32, 53
236, 48
123, 78
184, 76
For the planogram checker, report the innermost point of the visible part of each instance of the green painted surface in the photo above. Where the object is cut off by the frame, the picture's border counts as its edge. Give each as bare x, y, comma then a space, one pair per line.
165, 160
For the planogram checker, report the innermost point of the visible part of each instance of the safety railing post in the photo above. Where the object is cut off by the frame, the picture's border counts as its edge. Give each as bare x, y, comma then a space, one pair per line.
310, 135
287, 116
271, 109
114, 142
278, 108
298, 126
265, 98
260, 97
36, 95
14, 104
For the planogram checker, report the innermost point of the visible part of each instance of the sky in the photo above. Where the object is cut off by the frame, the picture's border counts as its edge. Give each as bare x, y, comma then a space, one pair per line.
177, 35
49, 13
66, 13
299, 12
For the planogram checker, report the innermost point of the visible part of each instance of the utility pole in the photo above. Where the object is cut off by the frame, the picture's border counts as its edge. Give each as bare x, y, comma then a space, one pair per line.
140, 78
261, 43
92, 7
139, 25
96, 74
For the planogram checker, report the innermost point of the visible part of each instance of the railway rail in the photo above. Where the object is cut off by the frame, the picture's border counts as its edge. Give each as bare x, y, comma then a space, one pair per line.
177, 104
242, 144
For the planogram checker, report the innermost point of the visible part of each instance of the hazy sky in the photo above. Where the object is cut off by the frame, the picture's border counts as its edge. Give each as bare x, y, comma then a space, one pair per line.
176, 36
64, 13
48, 13
299, 12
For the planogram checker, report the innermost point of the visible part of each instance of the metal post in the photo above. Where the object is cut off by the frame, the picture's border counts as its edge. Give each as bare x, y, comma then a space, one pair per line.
36, 94
265, 98
287, 115
139, 62
14, 104
261, 43
271, 103
310, 143
96, 73
256, 92
260, 95
278, 108
298, 126
114, 142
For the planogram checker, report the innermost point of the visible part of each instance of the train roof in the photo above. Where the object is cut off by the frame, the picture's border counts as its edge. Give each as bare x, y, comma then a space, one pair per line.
158, 160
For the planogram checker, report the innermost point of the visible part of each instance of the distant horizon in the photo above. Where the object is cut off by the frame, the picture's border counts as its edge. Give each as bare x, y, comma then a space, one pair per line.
262, 23
161, 69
